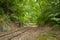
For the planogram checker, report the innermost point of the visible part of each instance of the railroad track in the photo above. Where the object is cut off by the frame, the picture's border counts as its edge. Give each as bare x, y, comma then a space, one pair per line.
16, 33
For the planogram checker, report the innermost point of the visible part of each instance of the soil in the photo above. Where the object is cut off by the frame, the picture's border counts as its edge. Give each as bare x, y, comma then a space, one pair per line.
27, 33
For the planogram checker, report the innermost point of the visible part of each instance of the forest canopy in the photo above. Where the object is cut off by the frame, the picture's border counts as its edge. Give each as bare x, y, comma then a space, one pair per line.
30, 11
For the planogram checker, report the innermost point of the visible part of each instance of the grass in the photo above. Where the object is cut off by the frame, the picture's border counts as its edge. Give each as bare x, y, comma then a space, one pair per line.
46, 36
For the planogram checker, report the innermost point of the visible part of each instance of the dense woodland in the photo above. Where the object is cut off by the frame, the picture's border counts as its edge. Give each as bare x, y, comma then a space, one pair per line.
30, 11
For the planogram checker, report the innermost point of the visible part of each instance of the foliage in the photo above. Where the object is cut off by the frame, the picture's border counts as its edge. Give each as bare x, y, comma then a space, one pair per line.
31, 11
50, 11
